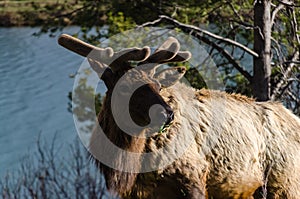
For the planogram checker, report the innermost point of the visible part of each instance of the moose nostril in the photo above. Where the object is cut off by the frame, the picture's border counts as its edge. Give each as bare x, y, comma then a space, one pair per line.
160, 115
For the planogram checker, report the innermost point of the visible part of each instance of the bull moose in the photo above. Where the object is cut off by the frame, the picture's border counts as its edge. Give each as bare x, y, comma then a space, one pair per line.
237, 147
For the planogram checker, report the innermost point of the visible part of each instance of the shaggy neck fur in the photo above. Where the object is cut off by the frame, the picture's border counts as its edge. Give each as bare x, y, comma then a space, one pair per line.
236, 140
117, 180
123, 182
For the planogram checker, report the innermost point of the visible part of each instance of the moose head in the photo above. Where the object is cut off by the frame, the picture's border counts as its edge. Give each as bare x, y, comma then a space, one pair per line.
134, 92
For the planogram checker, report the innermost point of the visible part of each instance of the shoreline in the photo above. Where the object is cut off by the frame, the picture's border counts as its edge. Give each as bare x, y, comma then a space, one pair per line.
36, 19
18, 20
30, 13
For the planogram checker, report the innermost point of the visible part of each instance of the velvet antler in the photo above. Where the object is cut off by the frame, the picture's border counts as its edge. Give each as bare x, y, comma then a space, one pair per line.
117, 61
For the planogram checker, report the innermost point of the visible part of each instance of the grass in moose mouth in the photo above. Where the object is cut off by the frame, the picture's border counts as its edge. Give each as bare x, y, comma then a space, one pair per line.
164, 128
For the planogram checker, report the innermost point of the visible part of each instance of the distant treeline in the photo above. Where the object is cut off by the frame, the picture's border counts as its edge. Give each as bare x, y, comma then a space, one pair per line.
32, 12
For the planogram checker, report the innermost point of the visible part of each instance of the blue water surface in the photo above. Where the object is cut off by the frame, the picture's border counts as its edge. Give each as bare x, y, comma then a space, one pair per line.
34, 84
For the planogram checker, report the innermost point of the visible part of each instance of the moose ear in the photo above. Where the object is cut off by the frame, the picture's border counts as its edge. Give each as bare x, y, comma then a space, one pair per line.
170, 76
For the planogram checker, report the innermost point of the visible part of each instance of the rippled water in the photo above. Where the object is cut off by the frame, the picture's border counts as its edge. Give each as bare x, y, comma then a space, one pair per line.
34, 83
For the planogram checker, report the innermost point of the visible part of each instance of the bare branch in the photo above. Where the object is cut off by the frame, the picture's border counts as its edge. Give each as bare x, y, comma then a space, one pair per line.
189, 28
288, 3
278, 49
225, 54
193, 30
290, 61
248, 26
295, 26
291, 95
280, 84
244, 25
274, 13
289, 82
234, 10
283, 83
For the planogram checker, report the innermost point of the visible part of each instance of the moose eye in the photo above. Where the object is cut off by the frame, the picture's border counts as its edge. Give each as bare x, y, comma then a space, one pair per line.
123, 88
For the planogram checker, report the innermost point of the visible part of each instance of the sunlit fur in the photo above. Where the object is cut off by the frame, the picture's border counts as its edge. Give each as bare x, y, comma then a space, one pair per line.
239, 145
232, 146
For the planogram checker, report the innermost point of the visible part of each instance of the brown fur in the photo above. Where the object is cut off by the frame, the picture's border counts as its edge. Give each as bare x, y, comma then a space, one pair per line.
226, 145
254, 143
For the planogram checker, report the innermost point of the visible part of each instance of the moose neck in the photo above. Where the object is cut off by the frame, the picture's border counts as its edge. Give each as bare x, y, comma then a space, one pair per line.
120, 138
119, 180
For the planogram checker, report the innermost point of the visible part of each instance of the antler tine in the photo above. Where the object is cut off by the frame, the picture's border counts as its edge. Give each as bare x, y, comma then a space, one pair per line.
82, 48
97, 57
181, 56
116, 61
120, 60
166, 51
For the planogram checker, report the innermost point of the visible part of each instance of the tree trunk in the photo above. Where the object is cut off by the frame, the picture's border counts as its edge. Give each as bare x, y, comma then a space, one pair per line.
262, 46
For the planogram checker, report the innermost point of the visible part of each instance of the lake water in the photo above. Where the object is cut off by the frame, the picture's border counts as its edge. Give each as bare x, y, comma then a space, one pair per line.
34, 84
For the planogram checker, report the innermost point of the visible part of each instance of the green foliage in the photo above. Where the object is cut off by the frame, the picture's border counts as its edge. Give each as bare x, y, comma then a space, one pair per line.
119, 23
238, 84
82, 109
100, 19
80, 104
195, 78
